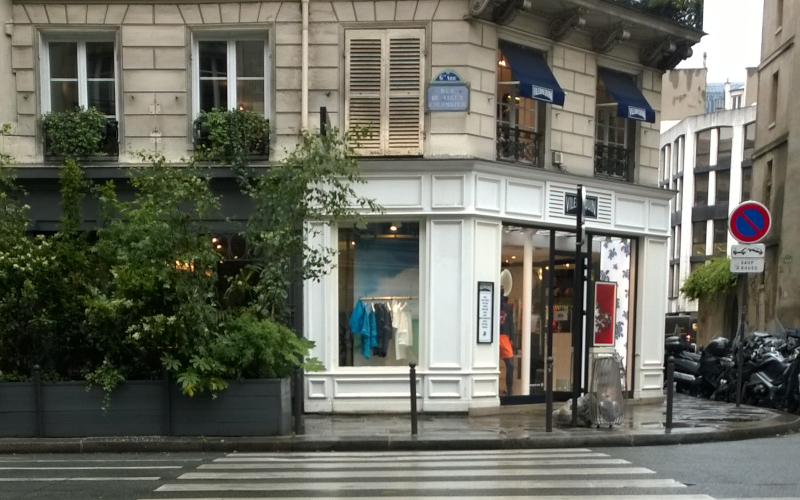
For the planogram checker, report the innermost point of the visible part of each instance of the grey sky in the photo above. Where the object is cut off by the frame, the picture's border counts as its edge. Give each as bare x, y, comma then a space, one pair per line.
733, 42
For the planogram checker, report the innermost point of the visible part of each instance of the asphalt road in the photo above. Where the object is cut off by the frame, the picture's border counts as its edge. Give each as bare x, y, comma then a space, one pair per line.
756, 469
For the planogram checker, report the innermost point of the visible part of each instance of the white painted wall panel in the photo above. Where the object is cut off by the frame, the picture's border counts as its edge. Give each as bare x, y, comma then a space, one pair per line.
487, 247
393, 191
652, 302
316, 388
444, 387
525, 198
484, 387
659, 217
487, 193
631, 212
446, 317
318, 310
373, 387
447, 191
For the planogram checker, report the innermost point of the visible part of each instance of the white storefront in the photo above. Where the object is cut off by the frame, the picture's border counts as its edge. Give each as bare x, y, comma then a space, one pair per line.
447, 226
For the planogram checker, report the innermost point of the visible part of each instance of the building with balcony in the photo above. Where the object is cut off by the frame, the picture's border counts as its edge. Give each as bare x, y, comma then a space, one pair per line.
486, 117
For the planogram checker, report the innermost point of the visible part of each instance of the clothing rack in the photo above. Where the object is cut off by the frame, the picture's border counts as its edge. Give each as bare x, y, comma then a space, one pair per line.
392, 297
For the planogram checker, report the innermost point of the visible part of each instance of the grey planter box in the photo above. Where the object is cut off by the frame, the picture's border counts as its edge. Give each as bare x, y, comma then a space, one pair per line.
145, 408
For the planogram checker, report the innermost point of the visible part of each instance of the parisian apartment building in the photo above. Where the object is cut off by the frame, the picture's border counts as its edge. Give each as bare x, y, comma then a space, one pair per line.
486, 118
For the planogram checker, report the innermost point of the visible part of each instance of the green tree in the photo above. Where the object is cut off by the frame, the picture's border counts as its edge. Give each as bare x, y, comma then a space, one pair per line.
711, 280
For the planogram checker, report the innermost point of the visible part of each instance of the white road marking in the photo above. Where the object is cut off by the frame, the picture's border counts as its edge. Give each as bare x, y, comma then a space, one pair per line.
410, 458
54, 479
394, 454
495, 497
96, 468
427, 485
357, 474
419, 465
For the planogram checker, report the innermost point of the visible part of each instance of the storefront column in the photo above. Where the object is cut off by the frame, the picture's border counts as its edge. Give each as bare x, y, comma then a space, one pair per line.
527, 283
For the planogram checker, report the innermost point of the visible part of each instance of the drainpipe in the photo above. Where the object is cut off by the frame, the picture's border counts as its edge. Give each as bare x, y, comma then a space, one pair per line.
304, 70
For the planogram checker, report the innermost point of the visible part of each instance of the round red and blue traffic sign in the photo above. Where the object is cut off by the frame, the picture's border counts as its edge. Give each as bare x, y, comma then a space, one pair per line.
749, 222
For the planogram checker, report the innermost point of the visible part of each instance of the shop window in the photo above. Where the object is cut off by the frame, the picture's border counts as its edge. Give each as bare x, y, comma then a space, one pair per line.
613, 260
384, 85
723, 187
703, 149
230, 72
79, 72
721, 237
379, 294
699, 230
701, 189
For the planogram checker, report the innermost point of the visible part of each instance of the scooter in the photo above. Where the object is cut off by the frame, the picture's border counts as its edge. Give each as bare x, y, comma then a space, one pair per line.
687, 363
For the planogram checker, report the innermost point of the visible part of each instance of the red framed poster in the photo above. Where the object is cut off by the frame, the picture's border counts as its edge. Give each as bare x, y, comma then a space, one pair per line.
605, 308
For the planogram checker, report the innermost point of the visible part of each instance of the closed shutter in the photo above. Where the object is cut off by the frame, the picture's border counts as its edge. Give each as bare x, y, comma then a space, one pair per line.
384, 89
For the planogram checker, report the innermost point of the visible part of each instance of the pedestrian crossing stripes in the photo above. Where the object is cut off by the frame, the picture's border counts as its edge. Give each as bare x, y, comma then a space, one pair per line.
546, 474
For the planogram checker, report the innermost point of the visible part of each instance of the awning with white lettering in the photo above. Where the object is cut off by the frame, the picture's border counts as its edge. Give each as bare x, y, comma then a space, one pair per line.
630, 101
530, 69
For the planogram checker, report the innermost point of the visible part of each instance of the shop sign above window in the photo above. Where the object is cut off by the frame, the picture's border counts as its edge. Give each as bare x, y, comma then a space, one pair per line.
448, 92
571, 205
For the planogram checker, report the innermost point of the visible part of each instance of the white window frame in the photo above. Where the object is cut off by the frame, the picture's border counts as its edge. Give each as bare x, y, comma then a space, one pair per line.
231, 37
80, 38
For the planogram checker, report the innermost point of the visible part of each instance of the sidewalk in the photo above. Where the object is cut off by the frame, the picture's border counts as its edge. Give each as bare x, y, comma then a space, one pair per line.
695, 421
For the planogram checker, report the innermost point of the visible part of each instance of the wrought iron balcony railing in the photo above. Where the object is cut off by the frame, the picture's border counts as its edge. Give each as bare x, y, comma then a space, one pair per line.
687, 13
614, 162
519, 145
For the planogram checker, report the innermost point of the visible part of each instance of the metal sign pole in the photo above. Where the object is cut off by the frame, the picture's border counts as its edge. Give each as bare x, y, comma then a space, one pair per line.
577, 310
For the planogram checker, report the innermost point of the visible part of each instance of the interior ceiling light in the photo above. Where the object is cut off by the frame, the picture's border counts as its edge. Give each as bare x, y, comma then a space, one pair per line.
392, 228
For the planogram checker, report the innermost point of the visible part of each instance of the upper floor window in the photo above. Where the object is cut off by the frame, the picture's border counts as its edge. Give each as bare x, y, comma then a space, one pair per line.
230, 72
724, 146
620, 104
80, 74
701, 189
678, 146
747, 183
81, 71
723, 186
749, 140
384, 85
702, 156
524, 85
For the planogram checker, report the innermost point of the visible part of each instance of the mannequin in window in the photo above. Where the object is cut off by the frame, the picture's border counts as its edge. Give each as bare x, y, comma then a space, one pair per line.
506, 339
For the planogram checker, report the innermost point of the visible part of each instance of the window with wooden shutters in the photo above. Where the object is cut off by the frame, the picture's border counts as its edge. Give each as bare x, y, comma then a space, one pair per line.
384, 89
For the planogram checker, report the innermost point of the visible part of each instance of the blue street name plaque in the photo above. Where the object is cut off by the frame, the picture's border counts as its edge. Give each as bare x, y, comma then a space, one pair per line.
448, 98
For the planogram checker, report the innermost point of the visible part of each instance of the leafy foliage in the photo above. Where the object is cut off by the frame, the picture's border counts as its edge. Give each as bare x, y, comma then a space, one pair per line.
142, 294
230, 137
74, 134
314, 182
711, 280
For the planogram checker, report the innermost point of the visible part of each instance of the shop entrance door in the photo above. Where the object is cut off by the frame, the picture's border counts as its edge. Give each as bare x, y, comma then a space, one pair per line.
541, 264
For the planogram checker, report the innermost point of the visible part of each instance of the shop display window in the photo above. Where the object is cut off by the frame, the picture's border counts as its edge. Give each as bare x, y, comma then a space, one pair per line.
378, 286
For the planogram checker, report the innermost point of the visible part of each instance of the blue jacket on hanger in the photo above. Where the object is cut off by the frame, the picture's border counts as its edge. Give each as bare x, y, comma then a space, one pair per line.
362, 322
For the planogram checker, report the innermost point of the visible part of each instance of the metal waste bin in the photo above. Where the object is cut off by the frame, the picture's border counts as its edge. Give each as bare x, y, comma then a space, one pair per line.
607, 391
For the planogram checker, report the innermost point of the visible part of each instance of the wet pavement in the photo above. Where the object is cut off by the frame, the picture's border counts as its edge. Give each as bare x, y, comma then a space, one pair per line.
695, 420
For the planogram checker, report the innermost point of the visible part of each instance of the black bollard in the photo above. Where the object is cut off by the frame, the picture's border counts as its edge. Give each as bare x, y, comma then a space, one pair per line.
413, 381
549, 396
670, 389
298, 426
37, 382
739, 375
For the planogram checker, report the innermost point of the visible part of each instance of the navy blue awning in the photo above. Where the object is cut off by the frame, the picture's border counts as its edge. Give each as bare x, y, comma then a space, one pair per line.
630, 101
535, 78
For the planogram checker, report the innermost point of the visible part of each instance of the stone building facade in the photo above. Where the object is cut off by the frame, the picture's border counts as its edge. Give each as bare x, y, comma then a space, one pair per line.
547, 98
774, 294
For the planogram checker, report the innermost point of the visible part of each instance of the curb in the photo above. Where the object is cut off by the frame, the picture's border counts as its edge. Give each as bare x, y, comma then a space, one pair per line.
786, 423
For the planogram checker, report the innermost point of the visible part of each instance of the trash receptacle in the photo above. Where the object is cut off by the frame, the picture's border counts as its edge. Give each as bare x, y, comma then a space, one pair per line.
607, 391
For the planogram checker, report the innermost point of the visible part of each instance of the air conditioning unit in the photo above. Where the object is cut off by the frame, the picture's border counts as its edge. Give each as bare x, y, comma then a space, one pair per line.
558, 158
